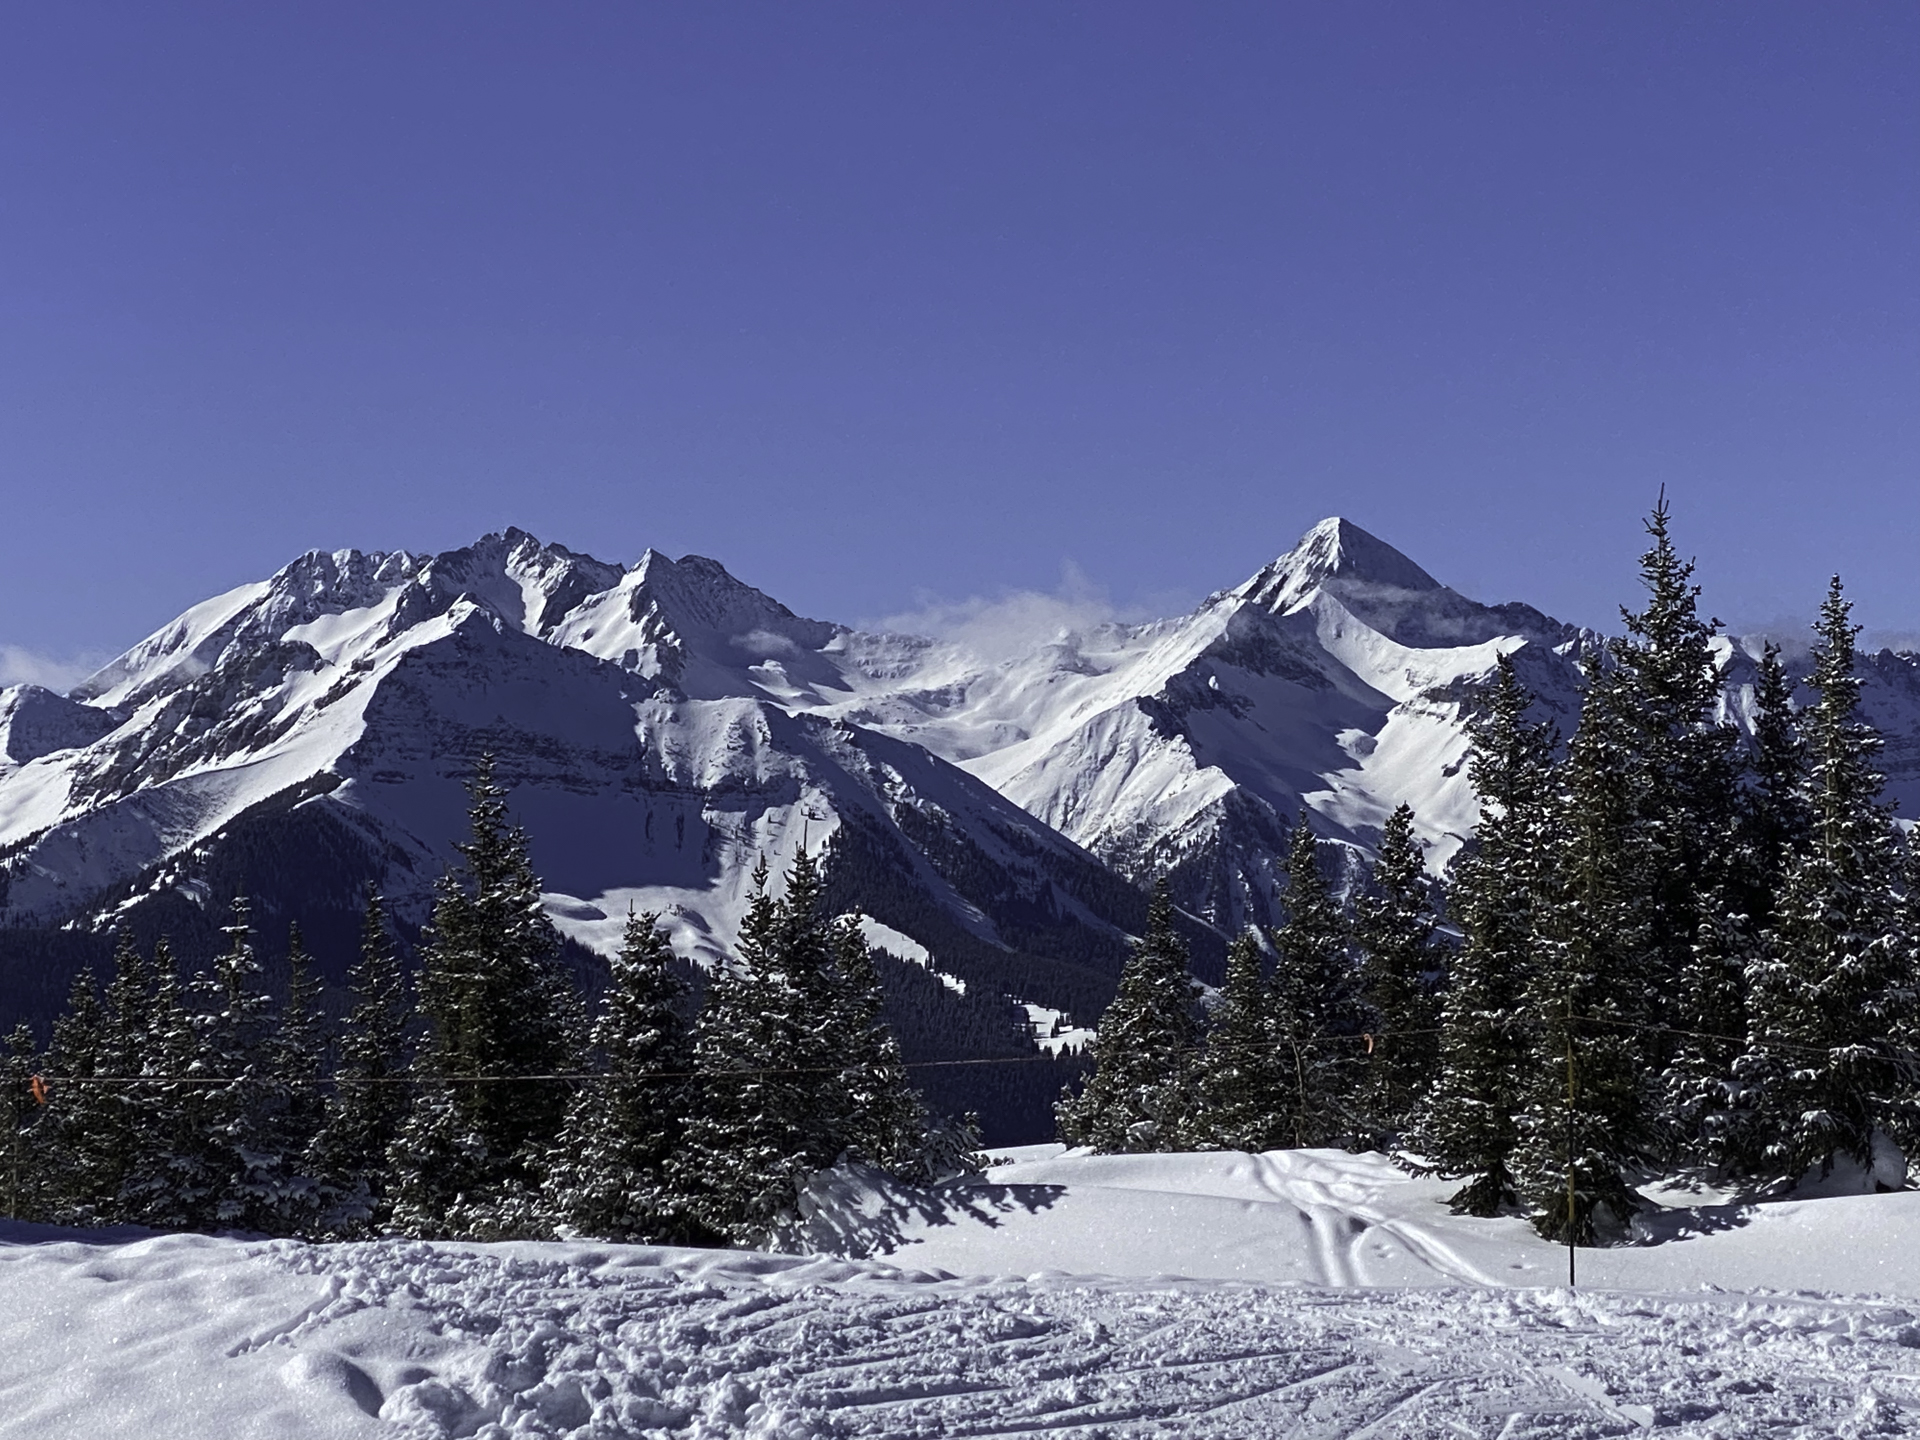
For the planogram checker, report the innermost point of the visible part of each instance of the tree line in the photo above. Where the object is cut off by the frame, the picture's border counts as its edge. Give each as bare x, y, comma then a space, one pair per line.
1673, 945
481, 1101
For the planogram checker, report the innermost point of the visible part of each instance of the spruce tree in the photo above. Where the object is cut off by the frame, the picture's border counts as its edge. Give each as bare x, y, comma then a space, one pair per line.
885, 1120
233, 1021
769, 1109
174, 1182
1400, 963
77, 1140
1682, 796
121, 1102
293, 1106
1243, 1096
1464, 1128
1317, 1015
369, 1099
502, 1019
1140, 1096
1597, 971
1832, 1002
609, 1176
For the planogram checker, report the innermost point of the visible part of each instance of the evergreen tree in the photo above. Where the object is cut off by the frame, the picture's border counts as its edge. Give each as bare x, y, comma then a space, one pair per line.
1832, 1002
1681, 784
174, 1181
1316, 1003
124, 1043
1464, 1128
501, 1014
368, 1103
885, 1121
1243, 1095
76, 1139
292, 1104
233, 1022
1393, 930
1775, 826
769, 1112
121, 1103
1140, 1096
1591, 990
1681, 792
609, 1174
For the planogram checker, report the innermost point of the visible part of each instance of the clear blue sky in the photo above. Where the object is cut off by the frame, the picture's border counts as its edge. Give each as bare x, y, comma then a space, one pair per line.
877, 301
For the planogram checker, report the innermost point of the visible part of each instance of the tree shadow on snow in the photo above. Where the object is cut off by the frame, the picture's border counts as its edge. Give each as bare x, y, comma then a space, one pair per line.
858, 1213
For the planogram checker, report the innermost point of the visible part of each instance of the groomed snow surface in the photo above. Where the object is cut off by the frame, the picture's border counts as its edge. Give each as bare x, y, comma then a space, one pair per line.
1304, 1293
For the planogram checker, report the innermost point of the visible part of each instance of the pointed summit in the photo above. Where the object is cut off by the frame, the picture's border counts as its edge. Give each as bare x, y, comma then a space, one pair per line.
1338, 555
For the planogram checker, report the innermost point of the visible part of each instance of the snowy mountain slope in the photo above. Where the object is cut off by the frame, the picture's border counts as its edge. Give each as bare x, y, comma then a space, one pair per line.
298, 739
665, 725
1331, 682
1311, 1293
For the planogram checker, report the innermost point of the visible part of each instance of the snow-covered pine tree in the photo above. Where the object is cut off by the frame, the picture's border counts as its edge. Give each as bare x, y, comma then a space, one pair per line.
233, 1020
1706, 1109
769, 1108
608, 1177
1141, 1094
502, 1018
1317, 1015
1596, 970
1832, 1002
1682, 777
885, 1121
121, 1104
174, 1182
368, 1103
1243, 1095
1400, 965
293, 1108
742, 1160
1464, 1127
76, 1142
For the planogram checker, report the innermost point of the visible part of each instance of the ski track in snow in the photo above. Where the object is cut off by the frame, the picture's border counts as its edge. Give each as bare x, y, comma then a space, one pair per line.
1361, 1308
425, 1341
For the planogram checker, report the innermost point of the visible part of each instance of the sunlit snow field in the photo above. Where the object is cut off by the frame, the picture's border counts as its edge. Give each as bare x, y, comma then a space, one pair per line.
1308, 1293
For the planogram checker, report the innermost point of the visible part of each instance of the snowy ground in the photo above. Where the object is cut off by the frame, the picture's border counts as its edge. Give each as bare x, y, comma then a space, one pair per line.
1297, 1294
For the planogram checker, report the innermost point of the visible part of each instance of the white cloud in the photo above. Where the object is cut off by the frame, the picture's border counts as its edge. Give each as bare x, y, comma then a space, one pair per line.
21, 666
1015, 622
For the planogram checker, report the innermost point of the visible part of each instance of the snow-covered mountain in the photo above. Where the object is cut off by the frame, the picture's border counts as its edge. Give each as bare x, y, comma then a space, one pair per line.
300, 737
1331, 683
664, 726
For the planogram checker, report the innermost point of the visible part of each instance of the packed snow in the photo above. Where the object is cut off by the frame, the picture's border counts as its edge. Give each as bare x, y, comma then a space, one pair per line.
1308, 1293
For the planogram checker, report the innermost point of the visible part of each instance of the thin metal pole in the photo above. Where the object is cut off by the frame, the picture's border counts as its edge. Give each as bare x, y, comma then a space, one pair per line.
1572, 1209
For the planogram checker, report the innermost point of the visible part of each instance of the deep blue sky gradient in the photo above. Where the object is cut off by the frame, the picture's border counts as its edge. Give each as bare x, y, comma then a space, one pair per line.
881, 302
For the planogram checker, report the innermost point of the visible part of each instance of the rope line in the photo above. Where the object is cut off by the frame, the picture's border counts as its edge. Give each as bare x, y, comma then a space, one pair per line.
1367, 1038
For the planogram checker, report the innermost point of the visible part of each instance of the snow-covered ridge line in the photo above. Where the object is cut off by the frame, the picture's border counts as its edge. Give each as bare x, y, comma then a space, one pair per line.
1331, 684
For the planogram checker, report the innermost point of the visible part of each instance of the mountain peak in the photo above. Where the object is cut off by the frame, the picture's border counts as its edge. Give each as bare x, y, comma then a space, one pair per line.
1337, 551
1339, 548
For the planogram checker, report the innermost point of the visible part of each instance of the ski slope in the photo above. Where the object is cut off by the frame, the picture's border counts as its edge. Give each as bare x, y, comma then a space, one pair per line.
1296, 1293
